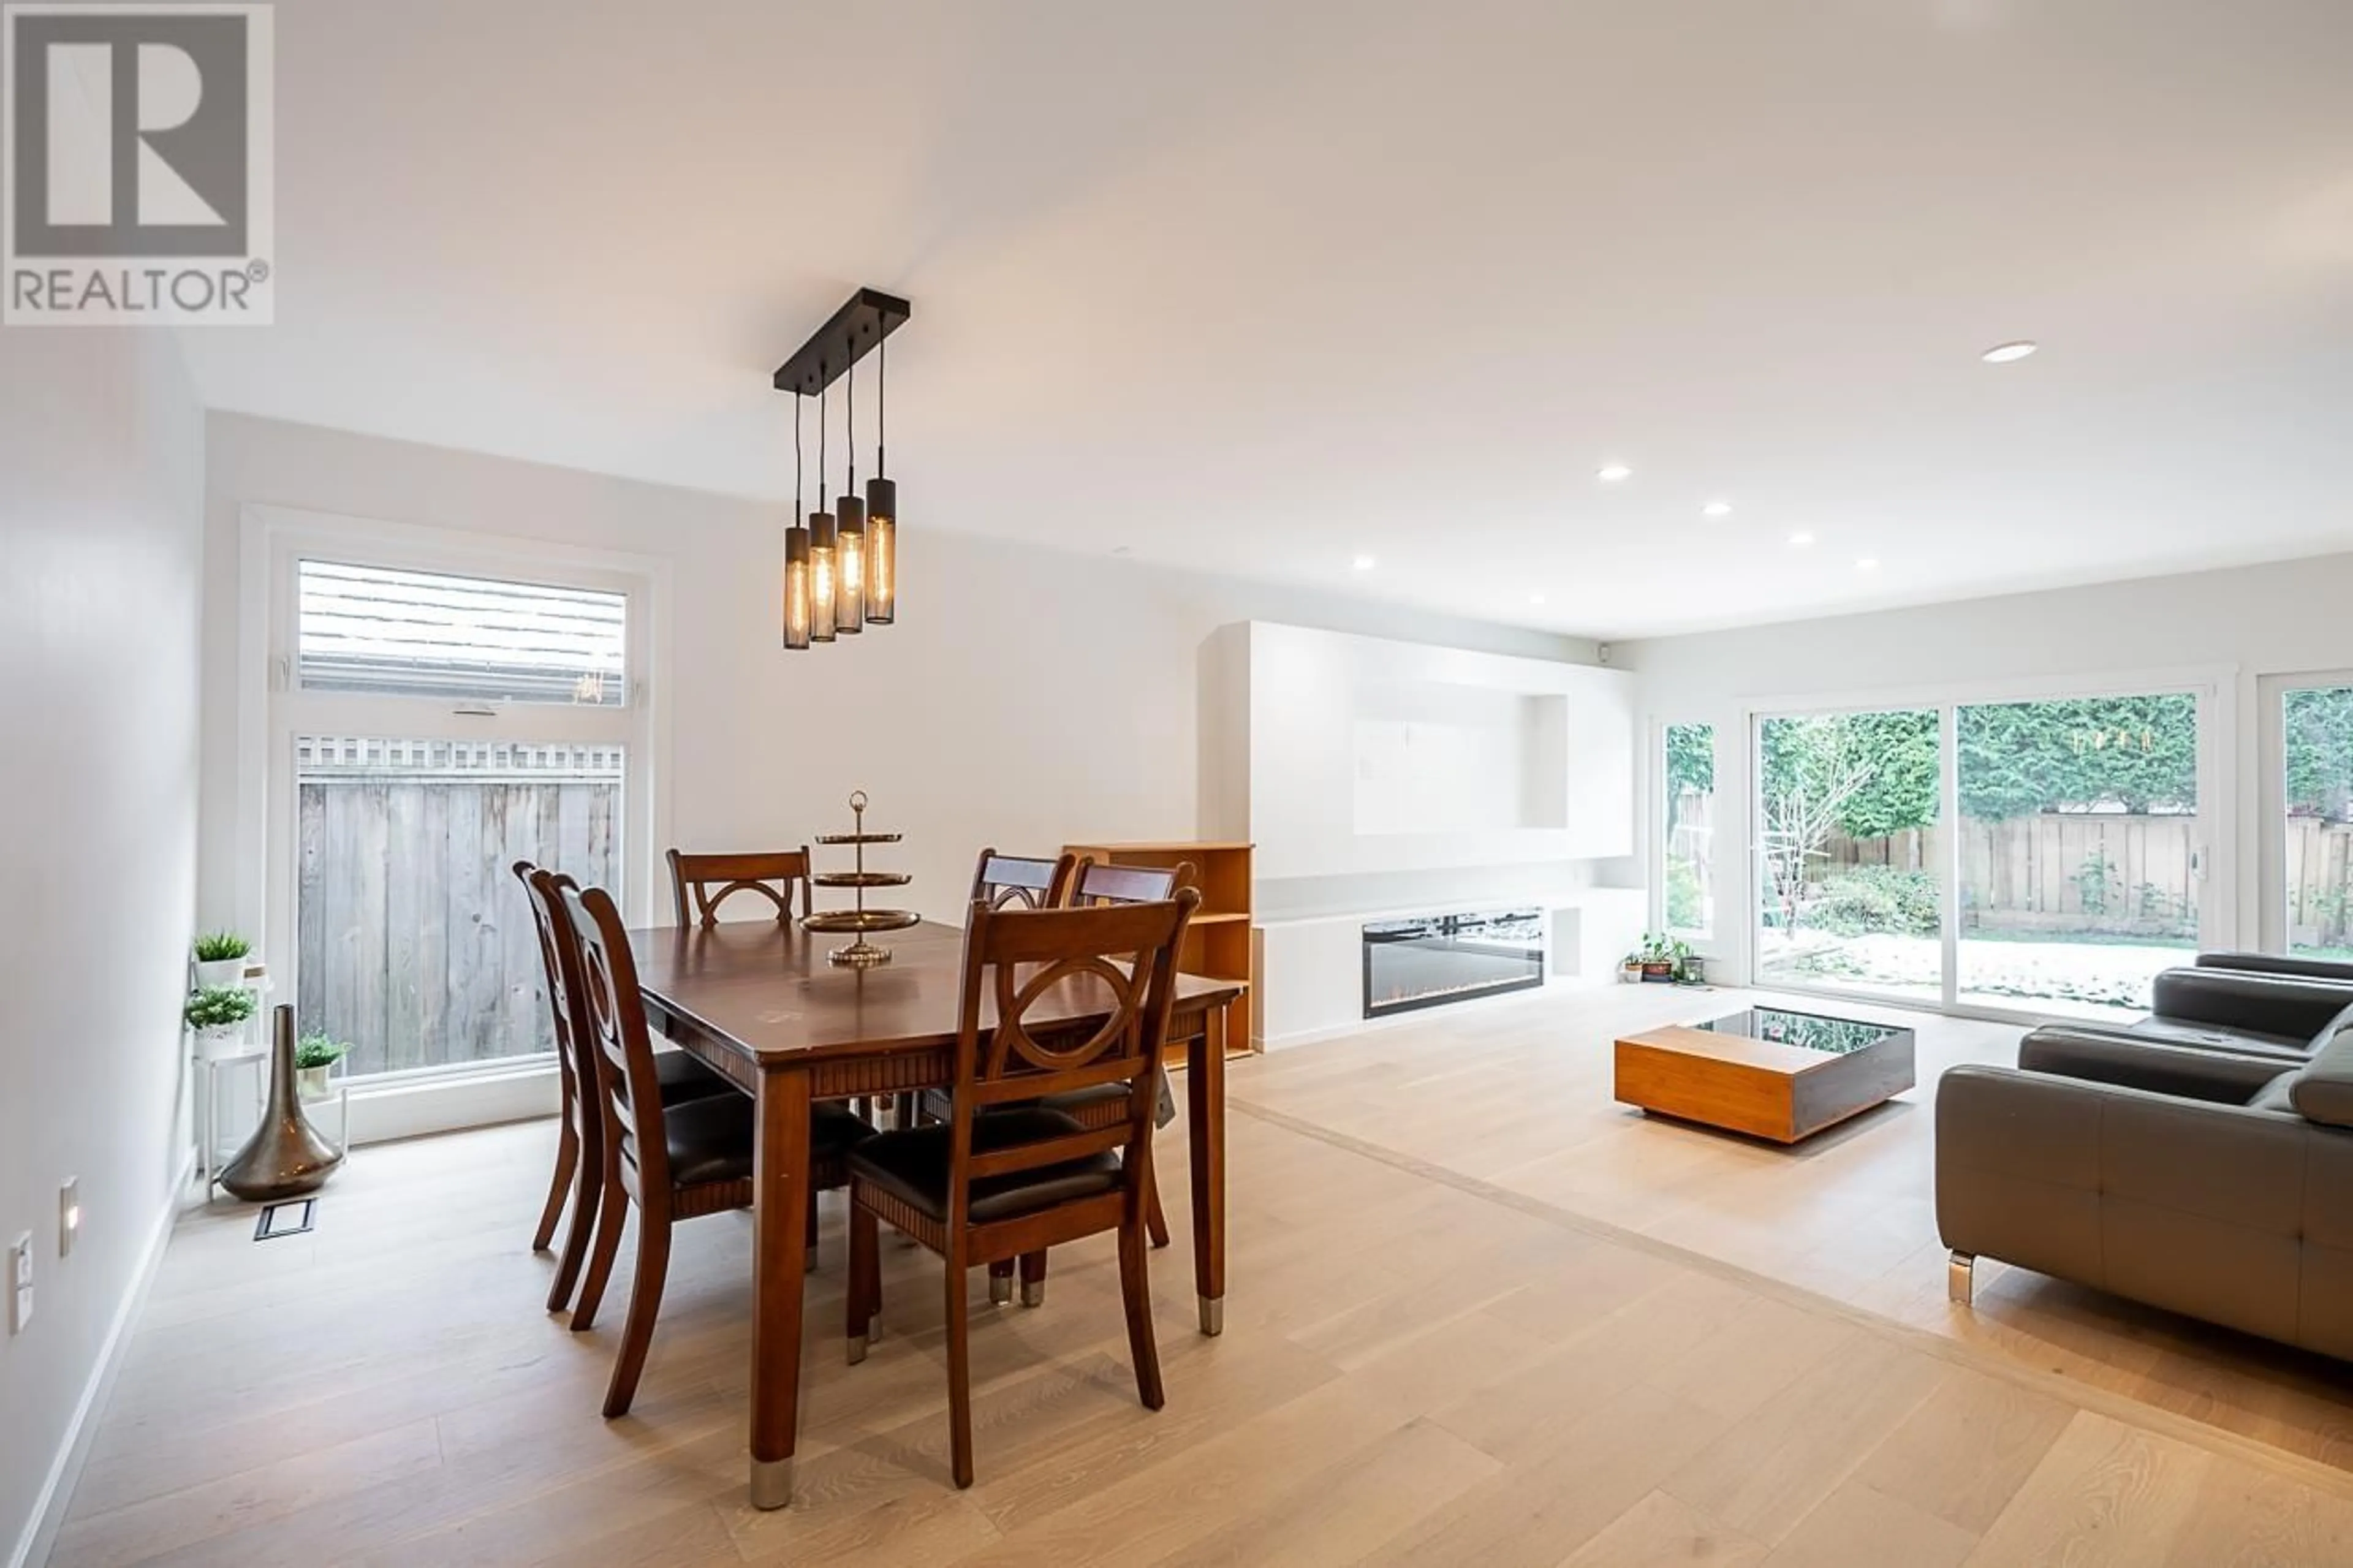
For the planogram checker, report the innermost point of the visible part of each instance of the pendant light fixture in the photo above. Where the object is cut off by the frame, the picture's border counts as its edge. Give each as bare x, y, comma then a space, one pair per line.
842, 568
849, 538
821, 537
882, 511
797, 554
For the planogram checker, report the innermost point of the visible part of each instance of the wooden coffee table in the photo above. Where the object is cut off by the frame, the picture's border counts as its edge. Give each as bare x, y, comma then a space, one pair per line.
1770, 1072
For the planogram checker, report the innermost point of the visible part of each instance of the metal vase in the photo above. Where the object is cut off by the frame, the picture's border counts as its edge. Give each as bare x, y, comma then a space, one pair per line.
285, 1158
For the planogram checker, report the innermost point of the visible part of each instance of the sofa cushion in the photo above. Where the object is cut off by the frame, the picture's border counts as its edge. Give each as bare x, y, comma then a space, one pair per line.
2294, 1050
2142, 1061
2323, 1091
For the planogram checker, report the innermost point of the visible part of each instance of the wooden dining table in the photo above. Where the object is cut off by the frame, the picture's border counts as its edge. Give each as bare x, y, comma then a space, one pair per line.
757, 1002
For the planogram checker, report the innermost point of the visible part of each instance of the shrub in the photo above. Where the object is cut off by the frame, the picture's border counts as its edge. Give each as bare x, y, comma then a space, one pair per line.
1875, 899
1683, 909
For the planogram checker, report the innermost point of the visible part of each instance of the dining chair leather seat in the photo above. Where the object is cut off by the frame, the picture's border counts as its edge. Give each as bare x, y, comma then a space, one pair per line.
913, 1165
711, 1140
683, 1079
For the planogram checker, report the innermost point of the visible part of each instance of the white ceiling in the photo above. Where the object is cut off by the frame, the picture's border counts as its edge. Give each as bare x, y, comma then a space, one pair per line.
1259, 286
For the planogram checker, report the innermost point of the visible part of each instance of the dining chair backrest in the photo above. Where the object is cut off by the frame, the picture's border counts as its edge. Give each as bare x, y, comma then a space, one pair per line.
1099, 883
1022, 881
710, 880
559, 958
1120, 958
615, 1015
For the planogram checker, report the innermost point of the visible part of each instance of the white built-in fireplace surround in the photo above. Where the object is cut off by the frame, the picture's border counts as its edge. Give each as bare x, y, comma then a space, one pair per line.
1385, 780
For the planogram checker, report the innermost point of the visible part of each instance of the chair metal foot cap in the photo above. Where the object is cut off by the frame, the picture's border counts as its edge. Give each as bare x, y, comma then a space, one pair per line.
1033, 1293
1960, 1276
772, 1483
858, 1343
1213, 1314
1000, 1289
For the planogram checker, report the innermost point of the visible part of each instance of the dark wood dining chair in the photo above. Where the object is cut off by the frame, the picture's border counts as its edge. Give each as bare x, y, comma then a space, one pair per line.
580, 1138
1007, 881
710, 880
996, 1181
1082, 882
1095, 886
674, 1161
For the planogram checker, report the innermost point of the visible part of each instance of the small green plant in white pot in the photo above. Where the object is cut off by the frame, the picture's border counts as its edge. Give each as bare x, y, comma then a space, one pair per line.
217, 1014
315, 1056
220, 959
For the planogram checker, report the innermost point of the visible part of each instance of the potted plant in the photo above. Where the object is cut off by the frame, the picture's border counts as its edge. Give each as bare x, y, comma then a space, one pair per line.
1658, 959
220, 959
1691, 969
217, 1014
1631, 970
315, 1056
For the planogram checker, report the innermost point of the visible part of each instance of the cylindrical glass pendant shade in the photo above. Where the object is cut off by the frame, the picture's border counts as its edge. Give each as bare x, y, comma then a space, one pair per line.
821, 577
797, 587
849, 565
881, 551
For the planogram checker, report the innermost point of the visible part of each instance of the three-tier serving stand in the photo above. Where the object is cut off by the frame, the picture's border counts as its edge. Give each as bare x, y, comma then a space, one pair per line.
858, 920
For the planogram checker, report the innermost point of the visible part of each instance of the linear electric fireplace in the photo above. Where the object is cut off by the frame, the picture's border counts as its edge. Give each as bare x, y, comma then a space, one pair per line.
1431, 960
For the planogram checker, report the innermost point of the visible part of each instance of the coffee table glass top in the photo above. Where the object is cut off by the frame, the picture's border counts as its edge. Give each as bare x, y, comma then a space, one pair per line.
1809, 1031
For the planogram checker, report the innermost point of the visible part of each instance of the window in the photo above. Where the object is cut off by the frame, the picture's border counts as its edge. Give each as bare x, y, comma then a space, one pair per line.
1685, 839
2315, 762
2080, 843
1850, 896
2048, 854
435, 726
420, 634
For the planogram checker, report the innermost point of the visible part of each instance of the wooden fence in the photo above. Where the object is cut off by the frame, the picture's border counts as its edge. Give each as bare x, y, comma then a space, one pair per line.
2123, 874
414, 944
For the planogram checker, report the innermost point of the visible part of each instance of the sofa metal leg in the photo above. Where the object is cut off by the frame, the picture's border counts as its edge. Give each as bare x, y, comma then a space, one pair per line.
1960, 1275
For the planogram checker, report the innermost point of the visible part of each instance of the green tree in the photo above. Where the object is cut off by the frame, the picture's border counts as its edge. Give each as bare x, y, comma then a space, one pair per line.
2319, 737
2130, 753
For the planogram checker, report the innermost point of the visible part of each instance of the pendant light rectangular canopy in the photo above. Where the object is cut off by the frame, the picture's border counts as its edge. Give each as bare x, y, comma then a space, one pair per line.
855, 331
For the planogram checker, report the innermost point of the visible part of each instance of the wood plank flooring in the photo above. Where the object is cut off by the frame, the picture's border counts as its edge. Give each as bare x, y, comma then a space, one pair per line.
1478, 1313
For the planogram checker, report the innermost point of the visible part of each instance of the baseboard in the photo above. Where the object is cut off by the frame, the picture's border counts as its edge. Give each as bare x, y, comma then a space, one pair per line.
40, 1532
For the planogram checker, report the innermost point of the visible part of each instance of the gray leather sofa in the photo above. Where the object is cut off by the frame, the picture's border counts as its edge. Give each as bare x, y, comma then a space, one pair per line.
2196, 1178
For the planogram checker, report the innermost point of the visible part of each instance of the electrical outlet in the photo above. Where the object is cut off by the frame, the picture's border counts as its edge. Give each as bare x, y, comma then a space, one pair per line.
69, 1215
20, 1283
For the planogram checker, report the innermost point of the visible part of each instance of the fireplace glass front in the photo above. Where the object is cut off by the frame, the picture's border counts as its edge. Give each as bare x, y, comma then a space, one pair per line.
1431, 960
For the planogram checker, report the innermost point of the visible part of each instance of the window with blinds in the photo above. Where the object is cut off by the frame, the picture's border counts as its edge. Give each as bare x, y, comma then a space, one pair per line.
382, 632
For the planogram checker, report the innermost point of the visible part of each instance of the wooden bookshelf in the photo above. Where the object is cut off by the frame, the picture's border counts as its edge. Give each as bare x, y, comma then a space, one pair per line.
1221, 941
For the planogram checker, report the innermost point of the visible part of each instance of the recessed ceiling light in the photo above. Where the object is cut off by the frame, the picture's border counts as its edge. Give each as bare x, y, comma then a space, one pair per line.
1611, 473
1363, 564
1801, 540
2006, 354
1867, 563
1716, 509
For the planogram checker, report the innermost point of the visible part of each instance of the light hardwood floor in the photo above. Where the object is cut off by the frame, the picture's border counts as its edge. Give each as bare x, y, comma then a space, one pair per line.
1478, 1314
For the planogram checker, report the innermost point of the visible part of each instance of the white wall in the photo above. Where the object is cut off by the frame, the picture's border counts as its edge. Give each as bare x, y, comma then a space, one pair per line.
1367, 755
1025, 697
2239, 625
101, 448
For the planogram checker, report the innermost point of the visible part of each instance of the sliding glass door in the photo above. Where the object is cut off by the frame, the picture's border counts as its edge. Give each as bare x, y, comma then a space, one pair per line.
1848, 806
2047, 855
2081, 850
2309, 858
